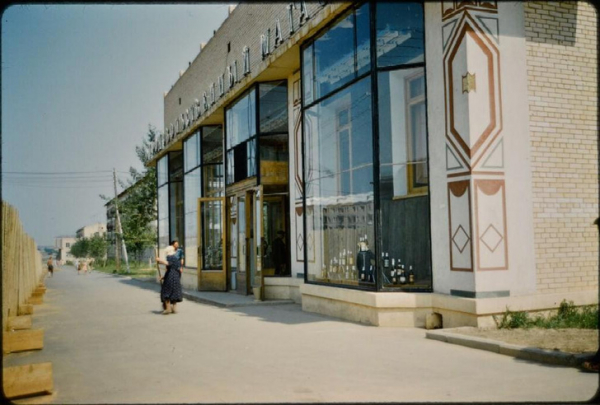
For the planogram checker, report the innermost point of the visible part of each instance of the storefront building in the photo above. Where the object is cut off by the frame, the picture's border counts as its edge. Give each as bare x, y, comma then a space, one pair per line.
380, 162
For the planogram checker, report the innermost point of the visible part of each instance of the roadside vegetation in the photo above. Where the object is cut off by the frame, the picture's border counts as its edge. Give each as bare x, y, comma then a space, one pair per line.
567, 316
137, 269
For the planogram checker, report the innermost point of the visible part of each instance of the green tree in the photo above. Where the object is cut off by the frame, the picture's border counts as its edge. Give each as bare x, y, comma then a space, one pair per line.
138, 208
80, 248
97, 246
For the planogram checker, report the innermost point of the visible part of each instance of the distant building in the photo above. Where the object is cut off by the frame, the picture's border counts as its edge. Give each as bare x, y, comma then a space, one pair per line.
63, 245
97, 229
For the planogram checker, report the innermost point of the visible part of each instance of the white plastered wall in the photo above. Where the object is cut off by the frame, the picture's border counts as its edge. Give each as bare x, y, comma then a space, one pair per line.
520, 277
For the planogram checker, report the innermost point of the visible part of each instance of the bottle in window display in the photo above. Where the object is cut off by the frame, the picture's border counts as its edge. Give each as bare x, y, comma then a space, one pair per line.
350, 258
386, 261
411, 276
335, 267
402, 275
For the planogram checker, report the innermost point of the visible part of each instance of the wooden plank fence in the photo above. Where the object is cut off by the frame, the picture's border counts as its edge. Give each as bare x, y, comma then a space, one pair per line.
22, 267
23, 275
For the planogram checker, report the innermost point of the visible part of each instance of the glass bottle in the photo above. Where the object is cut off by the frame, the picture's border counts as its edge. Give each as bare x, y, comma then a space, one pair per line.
411, 276
386, 261
402, 275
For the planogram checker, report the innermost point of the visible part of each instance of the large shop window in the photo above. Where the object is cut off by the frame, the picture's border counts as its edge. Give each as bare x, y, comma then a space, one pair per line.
203, 177
341, 166
404, 179
268, 135
339, 184
213, 184
241, 147
192, 187
163, 201
176, 210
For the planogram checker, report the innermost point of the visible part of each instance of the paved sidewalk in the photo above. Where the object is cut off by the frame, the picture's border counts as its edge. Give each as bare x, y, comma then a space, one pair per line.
109, 343
219, 299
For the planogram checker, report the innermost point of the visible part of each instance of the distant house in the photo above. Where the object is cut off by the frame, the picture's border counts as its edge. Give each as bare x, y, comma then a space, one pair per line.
63, 245
97, 229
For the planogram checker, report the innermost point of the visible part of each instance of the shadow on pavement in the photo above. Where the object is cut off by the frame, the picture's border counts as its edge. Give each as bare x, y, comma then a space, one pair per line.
289, 314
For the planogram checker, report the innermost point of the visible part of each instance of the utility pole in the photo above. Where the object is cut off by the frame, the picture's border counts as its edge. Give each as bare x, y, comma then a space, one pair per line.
116, 231
119, 230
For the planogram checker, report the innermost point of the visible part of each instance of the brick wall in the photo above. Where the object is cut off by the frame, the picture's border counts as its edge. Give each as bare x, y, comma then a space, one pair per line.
562, 84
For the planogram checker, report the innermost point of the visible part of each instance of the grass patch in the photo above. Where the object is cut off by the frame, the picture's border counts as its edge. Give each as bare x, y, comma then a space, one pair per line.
567, 316
138, 269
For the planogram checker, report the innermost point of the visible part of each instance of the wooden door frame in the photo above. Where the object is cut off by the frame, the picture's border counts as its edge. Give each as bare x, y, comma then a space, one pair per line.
216, 279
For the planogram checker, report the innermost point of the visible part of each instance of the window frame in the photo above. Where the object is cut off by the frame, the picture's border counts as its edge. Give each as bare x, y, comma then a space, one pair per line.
373, 72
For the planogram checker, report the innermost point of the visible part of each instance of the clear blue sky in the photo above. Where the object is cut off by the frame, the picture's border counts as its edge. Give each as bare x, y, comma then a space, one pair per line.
80, 85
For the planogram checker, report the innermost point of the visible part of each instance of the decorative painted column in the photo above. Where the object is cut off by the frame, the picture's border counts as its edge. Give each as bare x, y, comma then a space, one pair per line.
484, 178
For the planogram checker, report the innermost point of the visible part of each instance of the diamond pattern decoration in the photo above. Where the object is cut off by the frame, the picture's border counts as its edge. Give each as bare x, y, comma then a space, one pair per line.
491, 238
460, 238
299, 242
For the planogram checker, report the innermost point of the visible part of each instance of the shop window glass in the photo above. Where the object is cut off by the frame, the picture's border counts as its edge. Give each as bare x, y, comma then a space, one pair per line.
242, 254
241, 120
308, 74
273, 107
212, 235
212, 181
274, 148
251, 155
212, 145
338, 56
404, 179
230, 167
339, 186
176, 212
192, 193
191, 148
363, 40
399, 33
162, 172
176, 166
163, 216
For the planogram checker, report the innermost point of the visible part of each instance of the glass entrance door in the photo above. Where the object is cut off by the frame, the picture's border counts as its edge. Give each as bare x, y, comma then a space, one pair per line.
212, 268
275, 243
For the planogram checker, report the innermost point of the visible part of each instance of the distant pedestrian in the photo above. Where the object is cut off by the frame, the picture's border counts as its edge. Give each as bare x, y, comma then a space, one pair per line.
171, 292
85, 266
50, 266
77, 265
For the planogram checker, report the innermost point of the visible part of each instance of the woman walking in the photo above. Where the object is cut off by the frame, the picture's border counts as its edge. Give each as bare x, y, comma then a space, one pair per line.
170, 292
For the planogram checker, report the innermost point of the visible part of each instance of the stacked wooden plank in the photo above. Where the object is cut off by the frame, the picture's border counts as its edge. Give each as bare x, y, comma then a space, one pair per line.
23, 275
